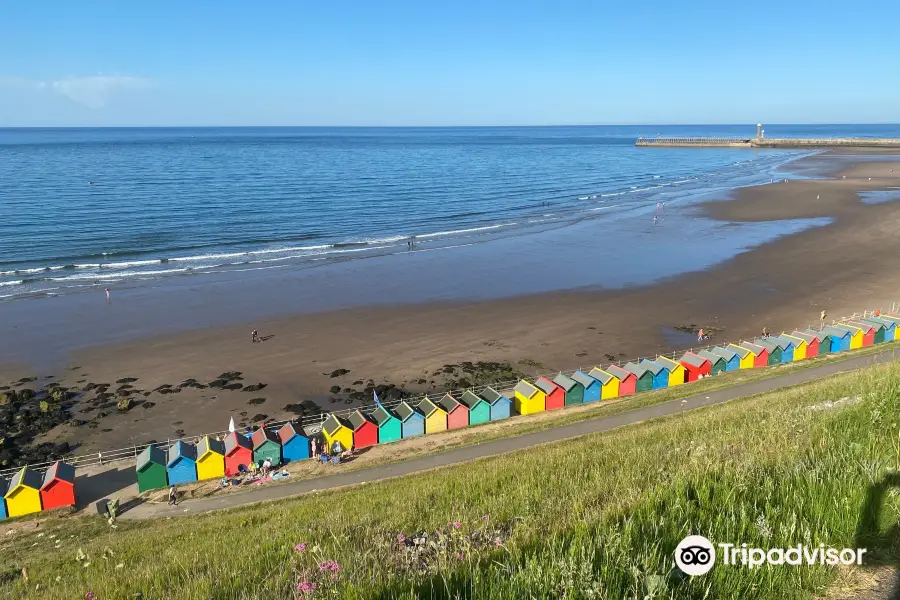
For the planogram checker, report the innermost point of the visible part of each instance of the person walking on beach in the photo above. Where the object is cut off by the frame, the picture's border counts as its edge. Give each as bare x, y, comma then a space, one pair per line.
254, 336
107, 296
700, 336
822, 317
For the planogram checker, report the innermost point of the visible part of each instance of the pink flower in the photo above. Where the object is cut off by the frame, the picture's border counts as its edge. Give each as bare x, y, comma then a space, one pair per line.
305, 587
330, 565
484, 518
300, 547
90, 596
459, 555
498, 542
401, 538
456, 524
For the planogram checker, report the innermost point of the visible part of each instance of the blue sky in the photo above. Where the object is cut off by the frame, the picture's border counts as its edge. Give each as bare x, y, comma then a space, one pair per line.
404, 62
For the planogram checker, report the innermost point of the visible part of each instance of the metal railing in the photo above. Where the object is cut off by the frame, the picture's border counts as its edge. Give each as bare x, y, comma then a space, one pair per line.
313, 424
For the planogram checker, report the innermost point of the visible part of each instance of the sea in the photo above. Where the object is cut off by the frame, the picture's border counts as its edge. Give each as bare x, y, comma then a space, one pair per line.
86, 208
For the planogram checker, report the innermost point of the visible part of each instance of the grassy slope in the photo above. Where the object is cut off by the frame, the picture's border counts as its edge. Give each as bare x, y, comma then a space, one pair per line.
594, 517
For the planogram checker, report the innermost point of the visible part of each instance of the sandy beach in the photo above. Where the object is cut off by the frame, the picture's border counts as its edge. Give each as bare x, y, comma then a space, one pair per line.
840, 267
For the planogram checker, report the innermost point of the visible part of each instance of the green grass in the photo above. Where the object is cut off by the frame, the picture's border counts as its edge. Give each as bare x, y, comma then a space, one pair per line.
596, 517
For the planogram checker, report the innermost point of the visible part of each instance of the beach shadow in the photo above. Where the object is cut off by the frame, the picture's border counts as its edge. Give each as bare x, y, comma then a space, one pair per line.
266, 338
91, 488
883, 548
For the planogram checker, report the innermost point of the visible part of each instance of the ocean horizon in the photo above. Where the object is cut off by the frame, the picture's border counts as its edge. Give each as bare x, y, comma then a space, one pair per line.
96, 207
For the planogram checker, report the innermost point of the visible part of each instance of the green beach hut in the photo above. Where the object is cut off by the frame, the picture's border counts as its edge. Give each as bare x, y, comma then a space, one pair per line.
643, 376
266, 445
389, 427
479, 409
717, 362
574, 390
151, 469
775, 351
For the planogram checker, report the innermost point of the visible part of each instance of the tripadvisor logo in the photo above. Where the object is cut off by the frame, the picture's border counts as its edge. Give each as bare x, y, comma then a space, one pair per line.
696, 555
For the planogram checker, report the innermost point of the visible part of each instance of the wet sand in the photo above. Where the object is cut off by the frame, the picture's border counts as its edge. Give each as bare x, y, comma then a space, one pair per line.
844, 266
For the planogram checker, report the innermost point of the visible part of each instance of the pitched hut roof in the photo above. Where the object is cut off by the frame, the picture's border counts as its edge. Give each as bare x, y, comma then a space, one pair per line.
491, 395
333, 424
740, 350
712, 356
357, 419
235, 440
806, 337
27, 478
618, 372
666, 362
381, 415
263, 435
448, 402
182, 449
770, 346
427, 407
545, 385
288, 432
601, 375
694, 359
653, 367
637, 370
526, 388
565, 382
470, 400
404, 411
151, 454
59, 470
585, 379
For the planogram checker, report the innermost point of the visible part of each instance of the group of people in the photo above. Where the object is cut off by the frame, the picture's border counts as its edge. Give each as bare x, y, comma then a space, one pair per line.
321, 451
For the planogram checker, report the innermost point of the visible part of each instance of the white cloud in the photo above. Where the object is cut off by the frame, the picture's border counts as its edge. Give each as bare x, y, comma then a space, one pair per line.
93, 91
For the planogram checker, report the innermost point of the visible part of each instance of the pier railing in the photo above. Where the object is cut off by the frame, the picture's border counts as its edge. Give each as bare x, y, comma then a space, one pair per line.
313, 424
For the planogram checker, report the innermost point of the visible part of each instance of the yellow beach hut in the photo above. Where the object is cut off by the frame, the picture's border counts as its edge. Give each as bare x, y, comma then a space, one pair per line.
799, 346
745, 355
24, 494
528, 399
609, 383
677, 374
856, 334
435, 416
337, 430
210, 459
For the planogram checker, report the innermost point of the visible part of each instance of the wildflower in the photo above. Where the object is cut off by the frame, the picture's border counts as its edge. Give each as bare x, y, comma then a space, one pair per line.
484, 518
306, 587
459, 555
456, 524
331, 566
300, 547
498, 542
401, 538
90, 596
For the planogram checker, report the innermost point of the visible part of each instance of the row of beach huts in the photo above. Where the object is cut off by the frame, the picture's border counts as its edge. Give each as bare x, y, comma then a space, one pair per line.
211, 458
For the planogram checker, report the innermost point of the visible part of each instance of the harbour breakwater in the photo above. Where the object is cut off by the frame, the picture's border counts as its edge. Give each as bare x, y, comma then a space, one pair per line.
774, 143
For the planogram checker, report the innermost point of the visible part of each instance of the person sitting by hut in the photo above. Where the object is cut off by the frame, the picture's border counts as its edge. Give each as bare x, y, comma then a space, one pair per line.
347, 453
173, 496
336, 447
266, 466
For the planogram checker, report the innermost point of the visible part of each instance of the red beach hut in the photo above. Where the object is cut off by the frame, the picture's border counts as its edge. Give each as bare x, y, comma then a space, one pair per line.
556, 396
760, 354
457, 412
868, 332
695, 365
58, 489
627, 380
238, 453
812, 343
365, 430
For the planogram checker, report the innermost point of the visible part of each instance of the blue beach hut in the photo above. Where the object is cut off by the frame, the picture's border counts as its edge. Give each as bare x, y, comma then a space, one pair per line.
500, 404
182, 463
412, 422
842, 336
294, 443
660, 374
592, 387
732, 359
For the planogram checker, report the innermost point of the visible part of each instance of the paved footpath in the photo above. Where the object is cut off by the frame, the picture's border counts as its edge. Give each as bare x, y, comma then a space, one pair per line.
505, 445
